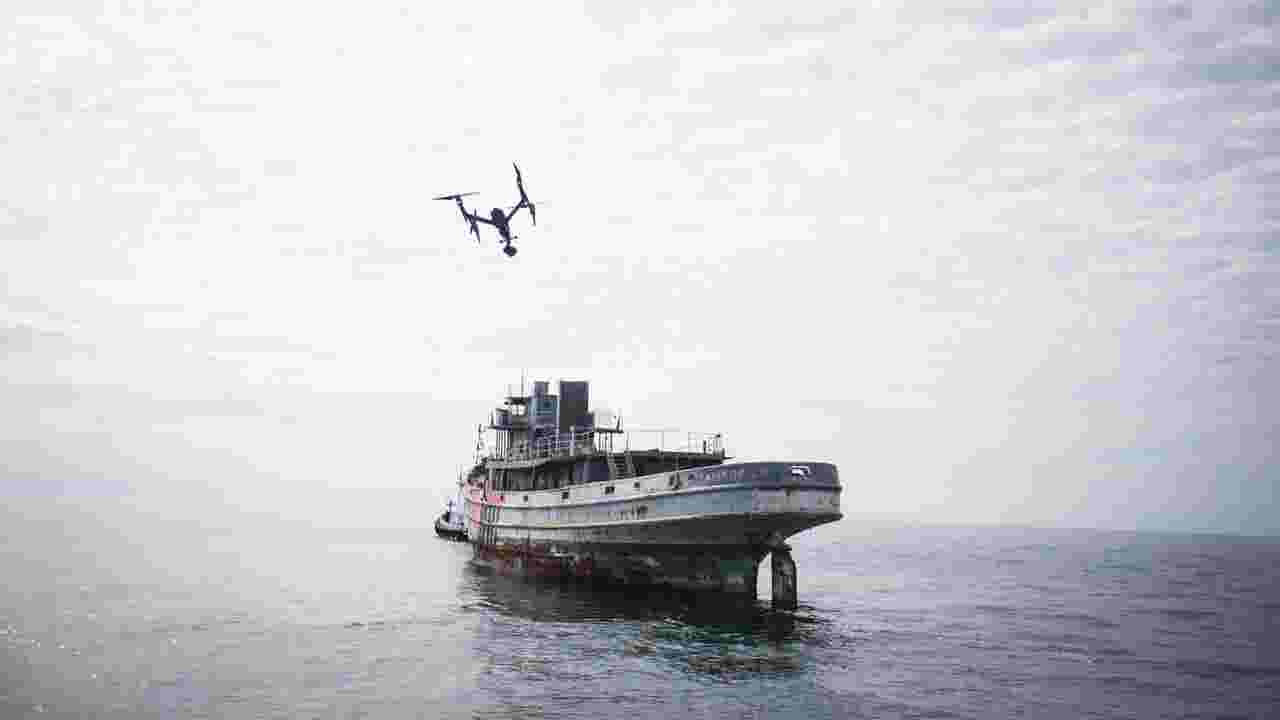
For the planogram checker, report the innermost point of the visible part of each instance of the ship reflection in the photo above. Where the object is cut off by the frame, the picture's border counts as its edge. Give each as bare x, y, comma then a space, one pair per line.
554, 601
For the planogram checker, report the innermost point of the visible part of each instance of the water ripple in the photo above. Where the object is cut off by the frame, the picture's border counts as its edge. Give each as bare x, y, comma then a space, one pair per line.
905, 623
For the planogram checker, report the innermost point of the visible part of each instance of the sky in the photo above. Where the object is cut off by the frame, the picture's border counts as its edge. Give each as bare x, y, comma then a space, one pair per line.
1016, 263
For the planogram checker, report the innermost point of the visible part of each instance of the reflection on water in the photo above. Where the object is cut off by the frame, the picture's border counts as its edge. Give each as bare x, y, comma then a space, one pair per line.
543, 600
553, 623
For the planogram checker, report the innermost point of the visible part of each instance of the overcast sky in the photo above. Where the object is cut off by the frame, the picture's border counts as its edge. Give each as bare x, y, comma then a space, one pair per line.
1001, 265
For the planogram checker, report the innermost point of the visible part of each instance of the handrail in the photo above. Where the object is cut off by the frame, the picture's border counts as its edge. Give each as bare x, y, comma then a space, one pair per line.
588, 443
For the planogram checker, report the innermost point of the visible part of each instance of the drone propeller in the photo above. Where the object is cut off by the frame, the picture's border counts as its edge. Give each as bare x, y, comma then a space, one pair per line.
458, 196
524, 199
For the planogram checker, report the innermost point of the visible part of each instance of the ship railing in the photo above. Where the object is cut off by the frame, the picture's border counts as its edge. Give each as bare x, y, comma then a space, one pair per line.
575, 443
671, 440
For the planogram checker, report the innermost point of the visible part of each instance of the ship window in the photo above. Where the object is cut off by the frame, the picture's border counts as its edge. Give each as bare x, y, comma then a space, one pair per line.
564, 495
526, 498
608, 489
636, 484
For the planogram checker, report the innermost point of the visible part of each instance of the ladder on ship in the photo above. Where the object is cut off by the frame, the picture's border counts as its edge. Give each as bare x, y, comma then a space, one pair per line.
620, 466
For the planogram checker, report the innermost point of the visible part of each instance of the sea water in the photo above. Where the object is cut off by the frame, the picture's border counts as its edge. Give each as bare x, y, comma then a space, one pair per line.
894, 622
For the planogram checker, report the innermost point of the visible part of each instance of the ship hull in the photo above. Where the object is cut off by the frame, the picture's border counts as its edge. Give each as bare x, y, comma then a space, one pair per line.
682, 567
705, 529
450, 531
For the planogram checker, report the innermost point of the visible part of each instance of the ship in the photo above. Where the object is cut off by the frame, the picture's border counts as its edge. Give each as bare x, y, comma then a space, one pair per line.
568, 493
450, 525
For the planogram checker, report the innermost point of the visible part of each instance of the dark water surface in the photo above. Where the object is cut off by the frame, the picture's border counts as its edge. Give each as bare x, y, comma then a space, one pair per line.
893, 623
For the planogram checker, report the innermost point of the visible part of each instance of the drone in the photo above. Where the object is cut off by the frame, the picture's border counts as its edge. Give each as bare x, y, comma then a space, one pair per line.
498, 218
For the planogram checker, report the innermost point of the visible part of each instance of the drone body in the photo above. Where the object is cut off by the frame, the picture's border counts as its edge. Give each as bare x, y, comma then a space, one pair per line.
498, 218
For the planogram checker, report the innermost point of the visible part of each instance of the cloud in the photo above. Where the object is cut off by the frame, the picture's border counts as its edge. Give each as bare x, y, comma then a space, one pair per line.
26, 338
979, 252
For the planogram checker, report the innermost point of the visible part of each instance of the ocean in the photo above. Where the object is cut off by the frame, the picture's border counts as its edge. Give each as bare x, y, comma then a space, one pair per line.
894, 622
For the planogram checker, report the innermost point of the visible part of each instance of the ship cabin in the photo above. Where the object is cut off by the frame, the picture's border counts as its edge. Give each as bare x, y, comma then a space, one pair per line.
547, 441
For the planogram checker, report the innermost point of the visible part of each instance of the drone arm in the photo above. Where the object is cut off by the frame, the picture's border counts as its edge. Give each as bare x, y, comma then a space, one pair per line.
472, 219
524, 203
476, 218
